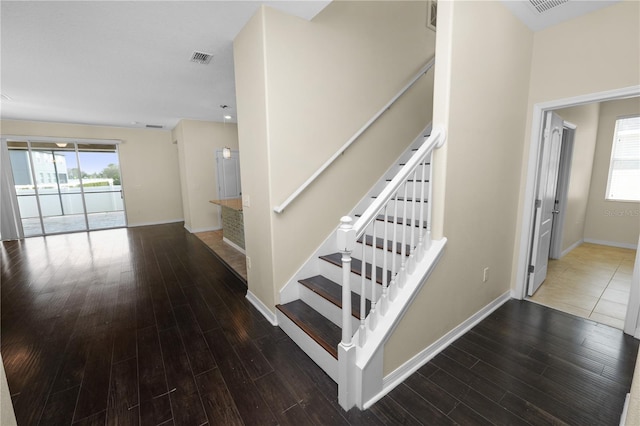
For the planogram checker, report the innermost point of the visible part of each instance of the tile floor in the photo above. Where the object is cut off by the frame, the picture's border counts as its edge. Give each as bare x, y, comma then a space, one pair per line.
232, 257
592, 281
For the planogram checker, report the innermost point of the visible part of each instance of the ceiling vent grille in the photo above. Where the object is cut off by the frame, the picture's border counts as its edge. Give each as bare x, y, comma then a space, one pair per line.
153, 126
201, 57
544, 5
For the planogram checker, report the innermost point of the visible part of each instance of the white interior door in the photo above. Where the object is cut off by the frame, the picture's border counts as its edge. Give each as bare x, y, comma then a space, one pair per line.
228, 175
545, 200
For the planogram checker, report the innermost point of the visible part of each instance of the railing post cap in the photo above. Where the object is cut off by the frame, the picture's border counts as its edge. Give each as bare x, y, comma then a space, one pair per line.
346, 220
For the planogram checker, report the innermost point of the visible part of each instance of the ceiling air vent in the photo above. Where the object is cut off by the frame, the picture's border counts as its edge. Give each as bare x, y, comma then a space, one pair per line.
154, 126
544, 5
201, 57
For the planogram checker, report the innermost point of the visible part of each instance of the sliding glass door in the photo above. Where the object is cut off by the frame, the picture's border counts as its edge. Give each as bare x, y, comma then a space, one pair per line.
66, 186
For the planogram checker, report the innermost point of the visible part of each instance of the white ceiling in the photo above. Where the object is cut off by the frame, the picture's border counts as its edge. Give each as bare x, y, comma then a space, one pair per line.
127, 63
558, 10
123, 64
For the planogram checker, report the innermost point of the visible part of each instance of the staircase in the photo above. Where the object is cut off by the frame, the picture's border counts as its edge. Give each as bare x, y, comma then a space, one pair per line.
392, 257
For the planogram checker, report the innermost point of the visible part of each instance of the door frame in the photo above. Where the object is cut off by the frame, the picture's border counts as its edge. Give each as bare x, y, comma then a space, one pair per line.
527, 217
564, 172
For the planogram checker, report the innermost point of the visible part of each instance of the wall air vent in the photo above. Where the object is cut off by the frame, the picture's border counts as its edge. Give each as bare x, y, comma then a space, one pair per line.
153, 126
201, 57
544, 5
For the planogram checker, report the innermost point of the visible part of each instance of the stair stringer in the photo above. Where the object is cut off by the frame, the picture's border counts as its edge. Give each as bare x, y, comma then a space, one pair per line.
367, 373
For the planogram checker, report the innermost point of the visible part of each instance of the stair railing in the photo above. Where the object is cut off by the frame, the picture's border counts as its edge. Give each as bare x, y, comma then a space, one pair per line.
352, 139
405, 200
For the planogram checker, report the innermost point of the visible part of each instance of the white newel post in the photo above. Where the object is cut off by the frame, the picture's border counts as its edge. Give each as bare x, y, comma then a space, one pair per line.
346, 241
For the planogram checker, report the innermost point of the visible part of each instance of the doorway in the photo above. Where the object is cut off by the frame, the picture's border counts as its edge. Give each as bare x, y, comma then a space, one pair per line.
66, 186
526, 246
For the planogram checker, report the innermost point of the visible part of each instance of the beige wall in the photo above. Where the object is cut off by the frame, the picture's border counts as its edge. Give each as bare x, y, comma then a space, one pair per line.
573, 59
148, 163
614, 222
198, 142
585, 117
486, 119
303, 89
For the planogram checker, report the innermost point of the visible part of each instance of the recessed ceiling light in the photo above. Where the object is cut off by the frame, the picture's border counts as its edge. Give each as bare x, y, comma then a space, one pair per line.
227, 117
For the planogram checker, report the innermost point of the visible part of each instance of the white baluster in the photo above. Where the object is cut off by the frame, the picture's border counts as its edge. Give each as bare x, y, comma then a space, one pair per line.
385, 274
373, 319
403, 264
394, 270
421, 242
429, 206
412, 256
363, 293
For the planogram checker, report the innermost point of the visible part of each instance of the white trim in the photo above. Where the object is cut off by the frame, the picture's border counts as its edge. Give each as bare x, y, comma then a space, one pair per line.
532, 167
611, 243
164, 222
571, 247
262, 308
208, 229
401, 373
234, 245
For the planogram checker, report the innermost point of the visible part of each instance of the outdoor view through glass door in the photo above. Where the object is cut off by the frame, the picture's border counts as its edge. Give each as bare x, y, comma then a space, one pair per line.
67, 186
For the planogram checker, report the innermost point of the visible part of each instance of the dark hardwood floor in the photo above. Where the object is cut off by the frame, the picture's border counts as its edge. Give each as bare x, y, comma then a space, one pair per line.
146, 326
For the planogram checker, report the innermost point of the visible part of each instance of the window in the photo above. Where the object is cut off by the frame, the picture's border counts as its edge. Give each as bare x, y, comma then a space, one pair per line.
624, 170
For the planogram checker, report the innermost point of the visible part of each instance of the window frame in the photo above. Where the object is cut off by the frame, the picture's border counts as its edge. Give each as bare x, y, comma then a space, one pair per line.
612, 159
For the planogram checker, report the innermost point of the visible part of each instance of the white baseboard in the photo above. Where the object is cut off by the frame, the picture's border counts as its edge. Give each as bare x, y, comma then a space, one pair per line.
234, 245
164, 222
264, 310
611, 243
209, 229
401, 373
571, 247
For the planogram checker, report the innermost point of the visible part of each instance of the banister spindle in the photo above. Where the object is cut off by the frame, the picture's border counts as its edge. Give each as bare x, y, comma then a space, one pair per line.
363, 293
403, 263
412, 231
373, 312
385, 274
394, 241
421, 247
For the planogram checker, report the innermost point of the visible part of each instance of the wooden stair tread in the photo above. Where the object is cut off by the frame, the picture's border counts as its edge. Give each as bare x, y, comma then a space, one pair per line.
320, 329
332, 292
356, 266
411, 180
380, 244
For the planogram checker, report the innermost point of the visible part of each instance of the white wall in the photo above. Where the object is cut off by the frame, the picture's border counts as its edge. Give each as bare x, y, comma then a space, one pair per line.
612, 222
197, 143
477, 171
304, 88
585, 117
148, 164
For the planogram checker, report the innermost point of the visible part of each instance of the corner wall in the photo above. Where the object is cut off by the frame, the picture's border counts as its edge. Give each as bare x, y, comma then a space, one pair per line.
148, 163
303, 89
484, 119
198, 142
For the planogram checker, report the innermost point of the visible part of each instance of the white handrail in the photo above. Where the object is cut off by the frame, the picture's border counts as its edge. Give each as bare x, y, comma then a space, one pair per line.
343, 148
436, 139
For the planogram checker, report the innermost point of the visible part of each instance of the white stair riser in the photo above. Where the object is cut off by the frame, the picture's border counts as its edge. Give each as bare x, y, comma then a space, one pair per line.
379, 255
326, 308
316, 352
390, 227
